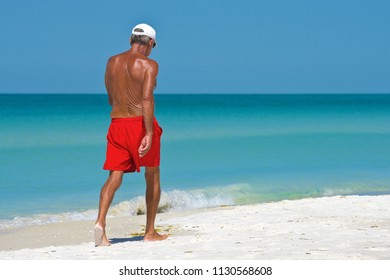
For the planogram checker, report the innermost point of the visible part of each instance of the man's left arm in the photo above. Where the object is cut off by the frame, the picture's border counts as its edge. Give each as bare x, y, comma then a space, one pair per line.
107, 79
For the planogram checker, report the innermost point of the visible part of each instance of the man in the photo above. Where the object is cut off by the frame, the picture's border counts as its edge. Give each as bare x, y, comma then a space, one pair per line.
133, 138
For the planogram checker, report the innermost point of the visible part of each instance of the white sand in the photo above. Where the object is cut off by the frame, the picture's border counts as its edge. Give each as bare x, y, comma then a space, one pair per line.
336, 228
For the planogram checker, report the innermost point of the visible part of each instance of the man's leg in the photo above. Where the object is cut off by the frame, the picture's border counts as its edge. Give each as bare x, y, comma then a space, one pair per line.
106, 195
153, 192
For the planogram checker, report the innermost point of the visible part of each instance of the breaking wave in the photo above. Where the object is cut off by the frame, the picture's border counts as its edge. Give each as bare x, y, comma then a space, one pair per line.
175, 200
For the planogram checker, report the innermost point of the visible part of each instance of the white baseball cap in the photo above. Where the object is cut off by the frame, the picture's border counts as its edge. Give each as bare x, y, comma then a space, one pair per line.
147, 30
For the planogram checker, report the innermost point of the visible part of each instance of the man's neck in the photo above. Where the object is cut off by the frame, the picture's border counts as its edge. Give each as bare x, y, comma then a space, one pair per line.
141, 49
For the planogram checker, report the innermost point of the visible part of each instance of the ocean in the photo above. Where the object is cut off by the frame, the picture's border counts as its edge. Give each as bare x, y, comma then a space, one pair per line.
223, 149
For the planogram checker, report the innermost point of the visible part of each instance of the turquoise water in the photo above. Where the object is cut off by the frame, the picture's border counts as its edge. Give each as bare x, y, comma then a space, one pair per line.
216, 150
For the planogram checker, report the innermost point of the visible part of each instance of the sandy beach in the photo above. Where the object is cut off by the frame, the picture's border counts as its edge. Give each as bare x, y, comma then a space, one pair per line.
329, 228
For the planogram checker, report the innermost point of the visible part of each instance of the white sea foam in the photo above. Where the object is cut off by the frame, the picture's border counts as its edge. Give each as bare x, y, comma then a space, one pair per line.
333, 192
174, 200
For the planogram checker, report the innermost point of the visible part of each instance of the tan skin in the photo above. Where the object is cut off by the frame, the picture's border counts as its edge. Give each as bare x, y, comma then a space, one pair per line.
133, 73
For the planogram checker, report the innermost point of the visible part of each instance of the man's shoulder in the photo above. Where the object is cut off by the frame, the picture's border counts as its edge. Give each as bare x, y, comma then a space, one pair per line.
147, 63
117, 57
152, 63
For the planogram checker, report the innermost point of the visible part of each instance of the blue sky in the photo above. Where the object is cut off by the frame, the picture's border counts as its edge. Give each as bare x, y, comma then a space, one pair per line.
214, 46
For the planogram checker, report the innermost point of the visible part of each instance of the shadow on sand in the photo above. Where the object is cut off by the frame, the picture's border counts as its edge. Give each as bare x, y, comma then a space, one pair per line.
129, 239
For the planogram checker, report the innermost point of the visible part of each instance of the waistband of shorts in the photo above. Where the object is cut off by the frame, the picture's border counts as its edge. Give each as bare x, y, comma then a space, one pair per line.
130, 119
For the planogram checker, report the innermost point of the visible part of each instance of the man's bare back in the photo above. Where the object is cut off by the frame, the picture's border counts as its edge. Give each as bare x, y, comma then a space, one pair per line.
130, 79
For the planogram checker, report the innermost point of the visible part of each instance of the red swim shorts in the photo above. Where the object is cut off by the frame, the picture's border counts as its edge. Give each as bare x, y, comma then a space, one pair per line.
123, 140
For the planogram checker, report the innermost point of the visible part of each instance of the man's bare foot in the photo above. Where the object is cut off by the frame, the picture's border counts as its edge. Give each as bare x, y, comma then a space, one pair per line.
100, 236
155, 237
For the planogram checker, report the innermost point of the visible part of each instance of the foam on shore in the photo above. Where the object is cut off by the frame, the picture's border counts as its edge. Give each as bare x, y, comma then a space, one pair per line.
333, 228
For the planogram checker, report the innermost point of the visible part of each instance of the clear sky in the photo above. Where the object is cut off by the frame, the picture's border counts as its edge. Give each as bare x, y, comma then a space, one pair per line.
205, 46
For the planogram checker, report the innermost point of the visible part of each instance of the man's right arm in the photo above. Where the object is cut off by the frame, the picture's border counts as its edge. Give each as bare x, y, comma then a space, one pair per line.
148, 105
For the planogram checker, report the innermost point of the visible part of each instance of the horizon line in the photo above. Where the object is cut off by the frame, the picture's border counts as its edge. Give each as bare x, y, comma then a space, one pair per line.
190, 93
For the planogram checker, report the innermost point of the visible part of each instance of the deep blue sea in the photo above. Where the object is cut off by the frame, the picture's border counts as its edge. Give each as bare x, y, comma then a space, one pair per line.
216, 150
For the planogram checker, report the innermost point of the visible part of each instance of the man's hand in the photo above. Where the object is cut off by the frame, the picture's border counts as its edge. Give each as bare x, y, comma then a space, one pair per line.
146, 143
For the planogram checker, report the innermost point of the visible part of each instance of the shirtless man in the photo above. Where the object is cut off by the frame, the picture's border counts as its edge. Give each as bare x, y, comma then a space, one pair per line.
133, 138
